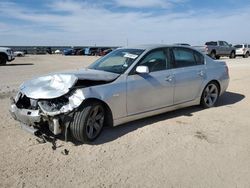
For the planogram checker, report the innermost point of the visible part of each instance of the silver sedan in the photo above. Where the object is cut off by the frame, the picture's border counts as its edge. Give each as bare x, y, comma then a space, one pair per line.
125, 85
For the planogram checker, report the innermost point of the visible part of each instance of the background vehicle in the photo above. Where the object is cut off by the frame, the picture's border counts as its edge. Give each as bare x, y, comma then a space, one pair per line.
19, 54
69, 51
104, 51
6, 54
242, 50
125, 85
91, 51
39, 51
216, 49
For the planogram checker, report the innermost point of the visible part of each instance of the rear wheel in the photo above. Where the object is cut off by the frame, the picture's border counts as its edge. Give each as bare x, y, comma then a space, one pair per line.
210, 95
88, 122
246, 55
3, 59
232, 55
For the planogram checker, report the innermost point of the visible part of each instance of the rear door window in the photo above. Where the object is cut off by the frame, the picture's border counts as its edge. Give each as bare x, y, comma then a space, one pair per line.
184, 57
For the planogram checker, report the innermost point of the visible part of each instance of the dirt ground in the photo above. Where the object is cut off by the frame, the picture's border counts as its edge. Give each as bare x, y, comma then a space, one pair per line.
191, 147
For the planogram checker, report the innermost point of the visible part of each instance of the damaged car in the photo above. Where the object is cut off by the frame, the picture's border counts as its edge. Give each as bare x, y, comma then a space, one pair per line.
125, 85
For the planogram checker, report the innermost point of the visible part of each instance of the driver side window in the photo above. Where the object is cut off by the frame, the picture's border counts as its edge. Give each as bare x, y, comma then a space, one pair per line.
155, 61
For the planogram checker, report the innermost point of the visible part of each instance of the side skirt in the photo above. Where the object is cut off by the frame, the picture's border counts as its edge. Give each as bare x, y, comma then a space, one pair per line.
155, 112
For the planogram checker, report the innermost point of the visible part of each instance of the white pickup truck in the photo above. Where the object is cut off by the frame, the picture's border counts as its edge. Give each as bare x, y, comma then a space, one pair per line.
6, 54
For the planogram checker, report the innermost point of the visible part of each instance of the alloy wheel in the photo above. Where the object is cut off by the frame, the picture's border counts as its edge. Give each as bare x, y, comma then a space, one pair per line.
95, 121
211, 94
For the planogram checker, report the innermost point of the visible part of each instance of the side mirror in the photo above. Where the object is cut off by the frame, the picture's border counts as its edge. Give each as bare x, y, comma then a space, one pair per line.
142, 70
230, 45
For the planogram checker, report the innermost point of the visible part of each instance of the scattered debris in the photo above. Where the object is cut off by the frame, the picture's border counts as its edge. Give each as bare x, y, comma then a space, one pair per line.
201, 135
65, 152
54, 143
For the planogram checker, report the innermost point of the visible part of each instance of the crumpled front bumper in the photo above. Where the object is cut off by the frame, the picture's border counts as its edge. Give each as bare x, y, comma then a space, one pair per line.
28, 117
31, 120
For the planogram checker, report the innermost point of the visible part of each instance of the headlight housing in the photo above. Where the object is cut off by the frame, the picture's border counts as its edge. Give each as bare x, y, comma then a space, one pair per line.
53, 105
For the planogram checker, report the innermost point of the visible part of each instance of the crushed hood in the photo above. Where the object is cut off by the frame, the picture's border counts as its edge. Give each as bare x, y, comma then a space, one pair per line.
58, 84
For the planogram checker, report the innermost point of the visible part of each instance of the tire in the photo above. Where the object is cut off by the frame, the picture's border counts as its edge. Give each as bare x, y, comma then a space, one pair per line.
88, 122
3, 59
232, 55
246, 55
213, 55
210, 95
217, 57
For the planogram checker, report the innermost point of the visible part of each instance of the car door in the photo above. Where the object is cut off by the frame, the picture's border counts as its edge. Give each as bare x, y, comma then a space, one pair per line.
189, 74
222, 48
146, 92
227, 48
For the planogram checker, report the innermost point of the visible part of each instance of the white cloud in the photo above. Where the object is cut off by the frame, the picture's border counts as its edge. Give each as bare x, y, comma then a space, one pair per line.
90, 24
143, 3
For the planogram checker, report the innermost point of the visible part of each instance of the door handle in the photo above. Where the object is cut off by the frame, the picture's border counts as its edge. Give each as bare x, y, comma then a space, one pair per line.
169, 78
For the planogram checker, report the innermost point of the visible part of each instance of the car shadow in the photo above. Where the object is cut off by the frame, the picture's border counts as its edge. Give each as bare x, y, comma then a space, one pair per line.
112, 133
20, 64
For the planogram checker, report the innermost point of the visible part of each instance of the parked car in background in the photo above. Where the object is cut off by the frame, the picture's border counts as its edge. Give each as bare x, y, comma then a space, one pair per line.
58, 51
242, 50
6, 54
80, 51
216, 49
39, 51
19, 54
125, 85
69, 51
91, 51
49, 50
104, 51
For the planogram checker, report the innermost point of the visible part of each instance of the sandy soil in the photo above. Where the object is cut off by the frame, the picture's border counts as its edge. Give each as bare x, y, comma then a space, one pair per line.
191, 147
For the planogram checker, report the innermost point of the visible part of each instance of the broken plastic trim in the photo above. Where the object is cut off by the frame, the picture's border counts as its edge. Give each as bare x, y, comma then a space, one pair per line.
75, 100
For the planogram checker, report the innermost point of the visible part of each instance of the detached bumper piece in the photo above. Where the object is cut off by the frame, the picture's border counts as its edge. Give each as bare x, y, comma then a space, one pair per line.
32, 121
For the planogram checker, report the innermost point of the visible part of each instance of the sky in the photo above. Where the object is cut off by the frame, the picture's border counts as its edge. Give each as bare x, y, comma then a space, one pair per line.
122, 22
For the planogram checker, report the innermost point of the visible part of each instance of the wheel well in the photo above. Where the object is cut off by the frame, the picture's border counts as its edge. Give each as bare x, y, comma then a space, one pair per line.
3, 54
213, 51
108, 120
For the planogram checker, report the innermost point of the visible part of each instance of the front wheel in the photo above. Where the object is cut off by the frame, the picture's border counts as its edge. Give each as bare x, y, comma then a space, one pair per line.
3, 59
88, 122
210, 95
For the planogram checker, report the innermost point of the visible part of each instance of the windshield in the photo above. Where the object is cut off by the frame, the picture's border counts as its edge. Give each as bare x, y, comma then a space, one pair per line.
117, 61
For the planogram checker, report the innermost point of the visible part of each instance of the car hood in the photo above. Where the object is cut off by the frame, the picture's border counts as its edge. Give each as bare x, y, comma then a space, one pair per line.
58, 84
4, 48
